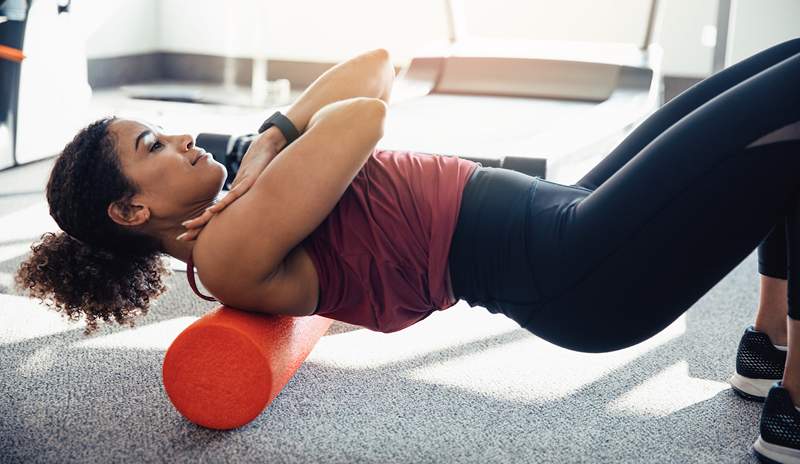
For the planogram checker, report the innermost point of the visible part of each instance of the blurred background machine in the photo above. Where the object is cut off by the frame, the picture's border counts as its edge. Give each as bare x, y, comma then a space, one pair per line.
538, 107
565, 103
43, 76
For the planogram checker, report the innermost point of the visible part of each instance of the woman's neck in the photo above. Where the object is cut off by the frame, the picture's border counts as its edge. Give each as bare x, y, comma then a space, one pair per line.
179, 249
167, 234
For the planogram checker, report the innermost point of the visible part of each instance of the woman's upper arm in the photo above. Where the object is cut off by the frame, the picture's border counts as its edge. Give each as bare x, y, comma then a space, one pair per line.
293, 194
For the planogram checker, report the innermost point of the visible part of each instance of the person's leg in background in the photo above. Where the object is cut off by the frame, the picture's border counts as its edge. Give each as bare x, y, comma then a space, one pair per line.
779, 428
772, 258
773, 304
765, 358
761, 355
791, 379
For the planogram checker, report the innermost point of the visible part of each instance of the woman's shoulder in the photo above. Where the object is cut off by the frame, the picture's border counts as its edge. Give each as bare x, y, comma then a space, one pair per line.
289, 289
222, 261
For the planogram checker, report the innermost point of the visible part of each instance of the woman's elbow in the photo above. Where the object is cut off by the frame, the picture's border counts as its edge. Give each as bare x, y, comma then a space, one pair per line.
381, 54
387, 73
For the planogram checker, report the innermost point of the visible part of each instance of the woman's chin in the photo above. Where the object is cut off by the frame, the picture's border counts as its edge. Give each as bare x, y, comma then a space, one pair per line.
221, 182
221, 175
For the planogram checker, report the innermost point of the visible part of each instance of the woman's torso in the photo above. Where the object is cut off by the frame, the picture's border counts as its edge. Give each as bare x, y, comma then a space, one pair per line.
301, 271
379, 259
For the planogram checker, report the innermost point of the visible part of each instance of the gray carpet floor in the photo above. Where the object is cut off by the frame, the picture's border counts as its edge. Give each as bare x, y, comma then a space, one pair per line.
464, 385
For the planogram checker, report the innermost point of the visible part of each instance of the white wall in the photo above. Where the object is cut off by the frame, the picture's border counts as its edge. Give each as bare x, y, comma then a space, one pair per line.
590, 20
338, 30
759, 24
313, 30
681, 36
119, 27
320, 30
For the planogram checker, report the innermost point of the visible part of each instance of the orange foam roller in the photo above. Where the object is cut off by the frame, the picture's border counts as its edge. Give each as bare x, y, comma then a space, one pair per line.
226, 367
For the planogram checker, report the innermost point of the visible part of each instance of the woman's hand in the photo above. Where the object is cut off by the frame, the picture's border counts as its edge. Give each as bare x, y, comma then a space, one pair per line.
259, 154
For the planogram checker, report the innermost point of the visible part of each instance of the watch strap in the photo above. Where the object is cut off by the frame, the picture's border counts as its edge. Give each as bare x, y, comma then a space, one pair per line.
283, 124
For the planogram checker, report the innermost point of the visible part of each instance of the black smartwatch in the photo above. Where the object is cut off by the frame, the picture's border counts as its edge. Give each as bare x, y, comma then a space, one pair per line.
284, 124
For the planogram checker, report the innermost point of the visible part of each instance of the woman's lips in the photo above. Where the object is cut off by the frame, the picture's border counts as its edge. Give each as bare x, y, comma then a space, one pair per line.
202, 154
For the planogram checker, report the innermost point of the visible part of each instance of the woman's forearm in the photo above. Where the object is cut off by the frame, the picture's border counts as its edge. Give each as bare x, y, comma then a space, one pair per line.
370, 74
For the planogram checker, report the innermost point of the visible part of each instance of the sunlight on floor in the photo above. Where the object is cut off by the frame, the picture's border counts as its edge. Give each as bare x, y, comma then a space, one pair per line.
540, 371
442, 330
667, 392
39, 362
471, 349
25, 318
22, 227
156, 336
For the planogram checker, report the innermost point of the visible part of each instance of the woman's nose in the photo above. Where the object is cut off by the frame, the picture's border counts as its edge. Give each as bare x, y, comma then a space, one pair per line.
187, 141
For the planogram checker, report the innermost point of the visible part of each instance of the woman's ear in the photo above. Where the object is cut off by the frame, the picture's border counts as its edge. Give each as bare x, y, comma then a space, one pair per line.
128, 214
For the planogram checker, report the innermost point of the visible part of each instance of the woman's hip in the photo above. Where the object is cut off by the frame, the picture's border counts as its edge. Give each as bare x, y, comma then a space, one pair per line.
501, 255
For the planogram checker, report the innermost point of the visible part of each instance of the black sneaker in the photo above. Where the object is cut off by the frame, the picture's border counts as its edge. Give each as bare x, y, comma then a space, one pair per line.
779, 440
758, 365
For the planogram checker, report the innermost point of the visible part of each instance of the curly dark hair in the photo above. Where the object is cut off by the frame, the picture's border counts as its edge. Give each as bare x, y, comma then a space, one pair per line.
94, 267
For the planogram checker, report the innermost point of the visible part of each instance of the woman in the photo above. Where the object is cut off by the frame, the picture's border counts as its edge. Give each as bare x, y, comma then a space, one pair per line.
378, 238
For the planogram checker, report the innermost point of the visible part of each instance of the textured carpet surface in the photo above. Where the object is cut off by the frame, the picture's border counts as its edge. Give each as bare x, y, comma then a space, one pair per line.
462, 386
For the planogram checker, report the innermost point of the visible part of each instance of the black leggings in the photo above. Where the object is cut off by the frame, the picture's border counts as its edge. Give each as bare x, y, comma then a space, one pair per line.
612, 260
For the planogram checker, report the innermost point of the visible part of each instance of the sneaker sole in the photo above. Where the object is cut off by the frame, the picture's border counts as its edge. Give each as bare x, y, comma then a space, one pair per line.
751, 389
771, 453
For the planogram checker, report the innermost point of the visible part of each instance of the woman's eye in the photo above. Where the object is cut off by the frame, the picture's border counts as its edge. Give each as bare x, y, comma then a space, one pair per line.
156, 145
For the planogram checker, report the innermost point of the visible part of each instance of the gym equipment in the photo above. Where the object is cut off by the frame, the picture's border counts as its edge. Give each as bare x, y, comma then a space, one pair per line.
12, 31
48, 91
11, 54
262, 92
565, 103
517, 104
229, 150
226, 367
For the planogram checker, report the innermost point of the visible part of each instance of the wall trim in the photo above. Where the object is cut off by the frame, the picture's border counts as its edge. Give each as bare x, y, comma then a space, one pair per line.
160, 66
141, 68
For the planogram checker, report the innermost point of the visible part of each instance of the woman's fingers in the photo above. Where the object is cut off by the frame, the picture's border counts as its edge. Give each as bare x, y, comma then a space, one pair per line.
220, 205
235, 192
189, 235
240, 178
195, 225
199, 221
192, 234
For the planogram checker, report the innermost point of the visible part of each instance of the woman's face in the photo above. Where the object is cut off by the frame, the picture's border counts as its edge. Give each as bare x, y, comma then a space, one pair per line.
172, 174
